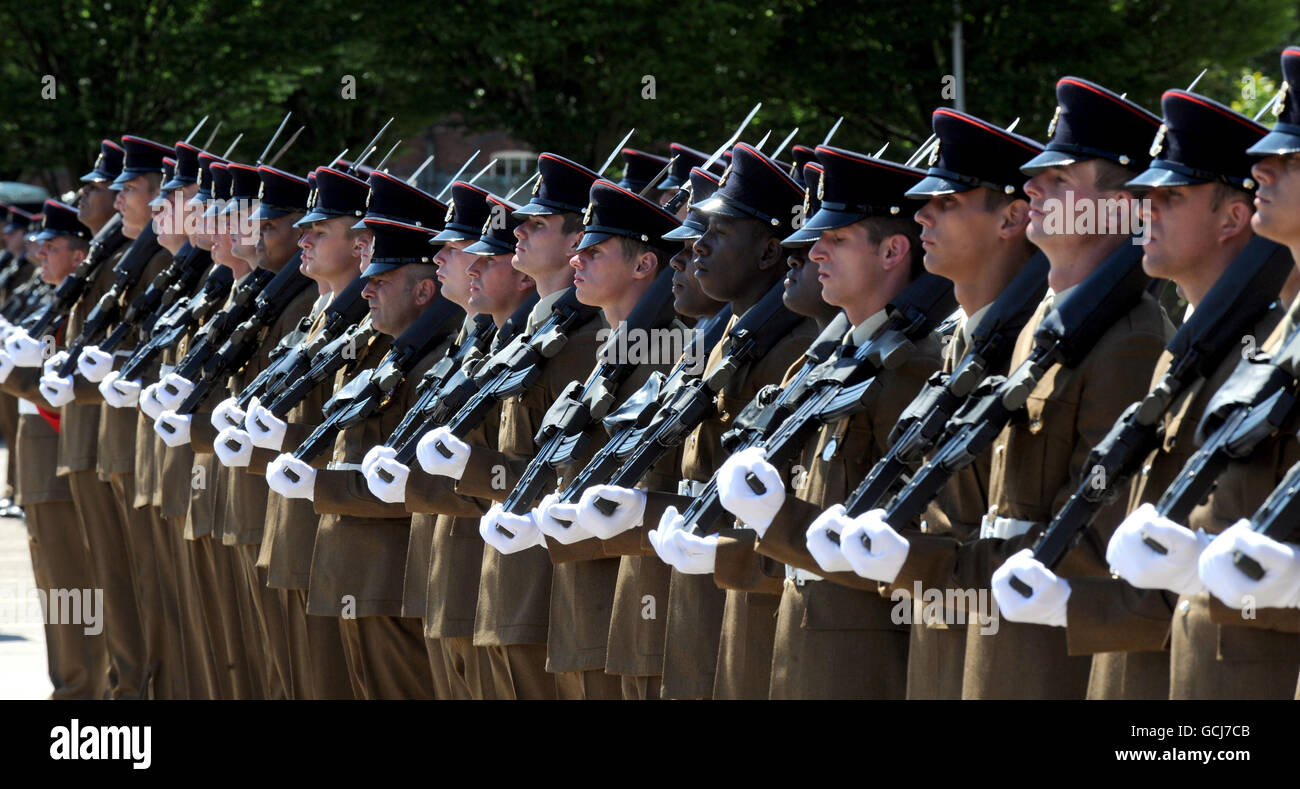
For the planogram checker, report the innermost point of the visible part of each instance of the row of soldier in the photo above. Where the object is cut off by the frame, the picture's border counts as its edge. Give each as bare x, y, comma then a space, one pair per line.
389, 447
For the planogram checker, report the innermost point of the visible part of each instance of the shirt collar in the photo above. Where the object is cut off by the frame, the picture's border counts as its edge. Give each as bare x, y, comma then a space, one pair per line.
863, 332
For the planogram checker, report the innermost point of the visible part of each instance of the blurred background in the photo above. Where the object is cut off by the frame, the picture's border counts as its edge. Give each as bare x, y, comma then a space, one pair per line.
572, 76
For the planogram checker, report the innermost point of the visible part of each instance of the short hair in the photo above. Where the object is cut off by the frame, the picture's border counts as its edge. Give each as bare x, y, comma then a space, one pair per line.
634, 248
572, 222
881, 227
995, 200
1111, 177
1227, 193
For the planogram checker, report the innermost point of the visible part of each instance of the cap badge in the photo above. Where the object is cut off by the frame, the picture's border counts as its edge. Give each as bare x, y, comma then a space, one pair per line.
1158, 144
537, 185
261, 190
1056, 116
1280, 107
821, 186
451, 209
934, 153
722, 180
586, 215
807, 202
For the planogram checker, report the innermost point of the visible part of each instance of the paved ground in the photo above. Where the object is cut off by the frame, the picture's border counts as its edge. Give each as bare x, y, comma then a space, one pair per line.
23, 672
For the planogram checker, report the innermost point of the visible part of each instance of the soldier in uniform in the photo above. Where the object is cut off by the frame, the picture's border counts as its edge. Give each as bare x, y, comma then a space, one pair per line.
1216, 650
866, 252
737, 259
1200, 191
972, 232
361, 543
76, 656
1099, 142
332, 250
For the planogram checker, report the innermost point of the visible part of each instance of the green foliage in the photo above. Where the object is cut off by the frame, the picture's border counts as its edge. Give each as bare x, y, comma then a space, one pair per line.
573, 76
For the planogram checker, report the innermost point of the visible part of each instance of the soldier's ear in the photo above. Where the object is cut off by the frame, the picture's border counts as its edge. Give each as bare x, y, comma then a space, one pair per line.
1235, 219
1015, 218
773, 254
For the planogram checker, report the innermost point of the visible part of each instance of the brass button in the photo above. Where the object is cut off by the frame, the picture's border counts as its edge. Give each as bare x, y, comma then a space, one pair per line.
1035, 425
1185, 606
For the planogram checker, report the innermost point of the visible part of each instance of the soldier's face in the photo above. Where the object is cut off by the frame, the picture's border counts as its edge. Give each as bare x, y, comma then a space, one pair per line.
453, 272
276, 241
96, 204
1182, 225
133, 204
328, 250
223, 251
848, 264
957, 234
688, 299
803, 290
1072, 184
541, 244
1277, 200
726, 256
493, 282
57, 259
396, 298
602, 273
168, 225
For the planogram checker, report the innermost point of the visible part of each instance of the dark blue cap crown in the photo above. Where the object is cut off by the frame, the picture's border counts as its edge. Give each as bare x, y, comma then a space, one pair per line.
970, 153
617, 211
108, 166
561, 187
1199, 141
1092, 122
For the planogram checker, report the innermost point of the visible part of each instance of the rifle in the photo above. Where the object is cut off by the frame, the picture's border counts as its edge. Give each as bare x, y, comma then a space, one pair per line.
322, 367
180, 278
458, 364
51, 317
626, 424
1065, 337
754, 335
1252, 405
921, 424
129, 270
836, 388
214, 332
179, 319
296, 353
582, 404
26, 298
1275, 518
244, 341
1240, 296
512, 369
372, 391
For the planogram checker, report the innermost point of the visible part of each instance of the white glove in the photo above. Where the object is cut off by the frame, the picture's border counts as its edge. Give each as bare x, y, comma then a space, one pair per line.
887, 554
628, 513
51, 365
233, 456
560, 522
6, 365
94, 364
118, 393
754, 510
265, 427
432, 457
228, 414
394, 491
661, 538
300, 486
509, 533
182, 386
56, 391
26, 351
1278, 588
824, 547
1047, 603
375, 453
1132, 559
150, 404
173, 428
696, 555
